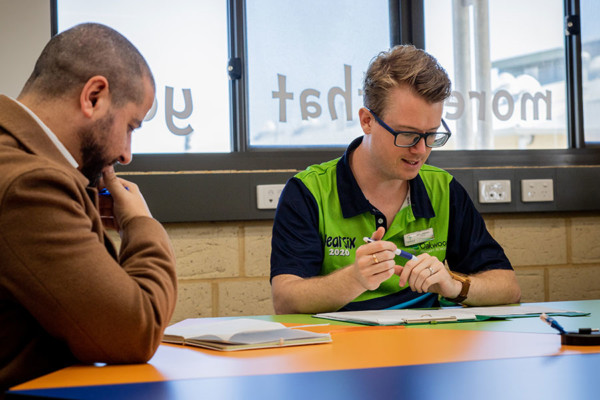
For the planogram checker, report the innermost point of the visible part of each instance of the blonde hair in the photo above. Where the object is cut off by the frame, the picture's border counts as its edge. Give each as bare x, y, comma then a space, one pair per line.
404, 65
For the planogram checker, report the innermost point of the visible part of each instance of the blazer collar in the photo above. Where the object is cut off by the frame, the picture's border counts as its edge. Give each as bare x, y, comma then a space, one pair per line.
16, 122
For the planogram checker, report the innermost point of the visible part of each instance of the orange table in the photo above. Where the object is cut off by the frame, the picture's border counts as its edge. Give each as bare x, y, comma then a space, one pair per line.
357, 354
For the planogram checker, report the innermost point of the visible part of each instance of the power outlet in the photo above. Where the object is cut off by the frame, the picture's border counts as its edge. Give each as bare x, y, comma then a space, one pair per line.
267, 196
494, 191
537, 190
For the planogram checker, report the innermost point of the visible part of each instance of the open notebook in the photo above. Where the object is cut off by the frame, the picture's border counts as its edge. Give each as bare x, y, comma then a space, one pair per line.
239, 334
465, 314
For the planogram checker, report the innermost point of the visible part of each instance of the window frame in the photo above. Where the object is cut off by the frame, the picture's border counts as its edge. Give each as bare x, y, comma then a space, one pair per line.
226, 181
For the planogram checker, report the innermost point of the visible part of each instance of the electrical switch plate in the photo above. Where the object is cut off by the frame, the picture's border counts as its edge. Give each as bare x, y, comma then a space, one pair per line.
267, 196
497, 191
537, 190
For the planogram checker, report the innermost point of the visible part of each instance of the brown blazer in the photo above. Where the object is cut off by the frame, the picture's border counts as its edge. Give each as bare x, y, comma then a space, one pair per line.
64, 297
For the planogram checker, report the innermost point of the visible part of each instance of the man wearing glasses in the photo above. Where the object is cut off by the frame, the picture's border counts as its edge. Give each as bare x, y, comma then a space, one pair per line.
382, 190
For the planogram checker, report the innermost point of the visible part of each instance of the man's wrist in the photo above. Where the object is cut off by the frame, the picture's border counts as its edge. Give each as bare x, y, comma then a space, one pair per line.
465, 282
356, 282
456, 288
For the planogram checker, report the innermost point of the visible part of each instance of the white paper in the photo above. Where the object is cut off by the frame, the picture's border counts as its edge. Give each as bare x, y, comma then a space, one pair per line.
224, 330
407, 316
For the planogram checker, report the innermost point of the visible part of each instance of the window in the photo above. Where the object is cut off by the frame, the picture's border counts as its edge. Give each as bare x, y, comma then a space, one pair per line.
298, 92
506, 59
185, 43
306, 62
590, 37
302, 65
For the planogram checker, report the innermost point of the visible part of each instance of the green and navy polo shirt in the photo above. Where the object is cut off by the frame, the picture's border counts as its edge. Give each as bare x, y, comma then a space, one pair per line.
322, 217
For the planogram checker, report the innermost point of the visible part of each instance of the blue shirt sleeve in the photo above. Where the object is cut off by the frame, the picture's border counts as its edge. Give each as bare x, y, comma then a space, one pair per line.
296, 245
470, 246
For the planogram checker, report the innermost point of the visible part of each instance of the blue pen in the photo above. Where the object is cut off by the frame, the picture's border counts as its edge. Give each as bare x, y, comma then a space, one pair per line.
105, 192
398, 252
553, 323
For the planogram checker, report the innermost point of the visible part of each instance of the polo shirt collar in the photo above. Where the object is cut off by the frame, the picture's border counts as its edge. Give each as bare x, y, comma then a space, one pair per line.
354, 202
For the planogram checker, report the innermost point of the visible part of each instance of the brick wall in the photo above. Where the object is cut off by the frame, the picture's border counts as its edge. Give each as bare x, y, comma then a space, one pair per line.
223, 267
556, 256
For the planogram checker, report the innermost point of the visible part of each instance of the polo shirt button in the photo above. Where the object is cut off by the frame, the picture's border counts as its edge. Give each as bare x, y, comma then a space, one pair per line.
380, 221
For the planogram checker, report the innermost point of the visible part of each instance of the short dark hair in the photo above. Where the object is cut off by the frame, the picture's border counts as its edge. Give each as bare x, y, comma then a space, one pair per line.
72, 57
404, 65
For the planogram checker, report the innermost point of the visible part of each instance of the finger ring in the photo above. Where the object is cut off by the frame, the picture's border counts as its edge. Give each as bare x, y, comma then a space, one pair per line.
375, 258
431, 271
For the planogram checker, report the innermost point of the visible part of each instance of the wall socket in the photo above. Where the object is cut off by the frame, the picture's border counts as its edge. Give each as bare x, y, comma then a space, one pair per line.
494, 191
537, 190
267, 196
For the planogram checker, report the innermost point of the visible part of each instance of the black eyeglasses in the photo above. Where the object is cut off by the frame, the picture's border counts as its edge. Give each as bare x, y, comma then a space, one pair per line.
411, 138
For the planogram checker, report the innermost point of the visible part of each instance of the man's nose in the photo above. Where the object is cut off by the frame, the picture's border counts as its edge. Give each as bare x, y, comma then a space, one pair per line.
419, 147
126, 156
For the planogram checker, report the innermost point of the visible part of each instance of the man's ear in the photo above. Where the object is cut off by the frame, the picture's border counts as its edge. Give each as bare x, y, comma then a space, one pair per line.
95, 97
366, 120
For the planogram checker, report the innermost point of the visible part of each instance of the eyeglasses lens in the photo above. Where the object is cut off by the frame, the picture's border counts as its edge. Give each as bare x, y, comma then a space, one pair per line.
431, 140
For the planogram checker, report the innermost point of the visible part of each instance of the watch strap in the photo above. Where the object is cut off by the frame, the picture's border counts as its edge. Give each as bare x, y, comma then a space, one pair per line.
466, 284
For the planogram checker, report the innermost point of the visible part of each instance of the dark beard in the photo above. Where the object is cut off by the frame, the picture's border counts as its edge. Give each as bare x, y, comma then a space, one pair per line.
93, 149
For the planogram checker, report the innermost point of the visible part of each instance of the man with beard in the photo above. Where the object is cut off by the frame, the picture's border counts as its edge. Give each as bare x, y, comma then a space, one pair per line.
66, 294
382, 189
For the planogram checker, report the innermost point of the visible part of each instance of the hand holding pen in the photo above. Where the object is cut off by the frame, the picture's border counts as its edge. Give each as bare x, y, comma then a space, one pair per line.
398, 252
425, 274
123, 203
374, 262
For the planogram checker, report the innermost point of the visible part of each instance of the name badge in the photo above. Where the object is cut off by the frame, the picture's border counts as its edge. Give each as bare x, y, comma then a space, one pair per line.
418, 237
